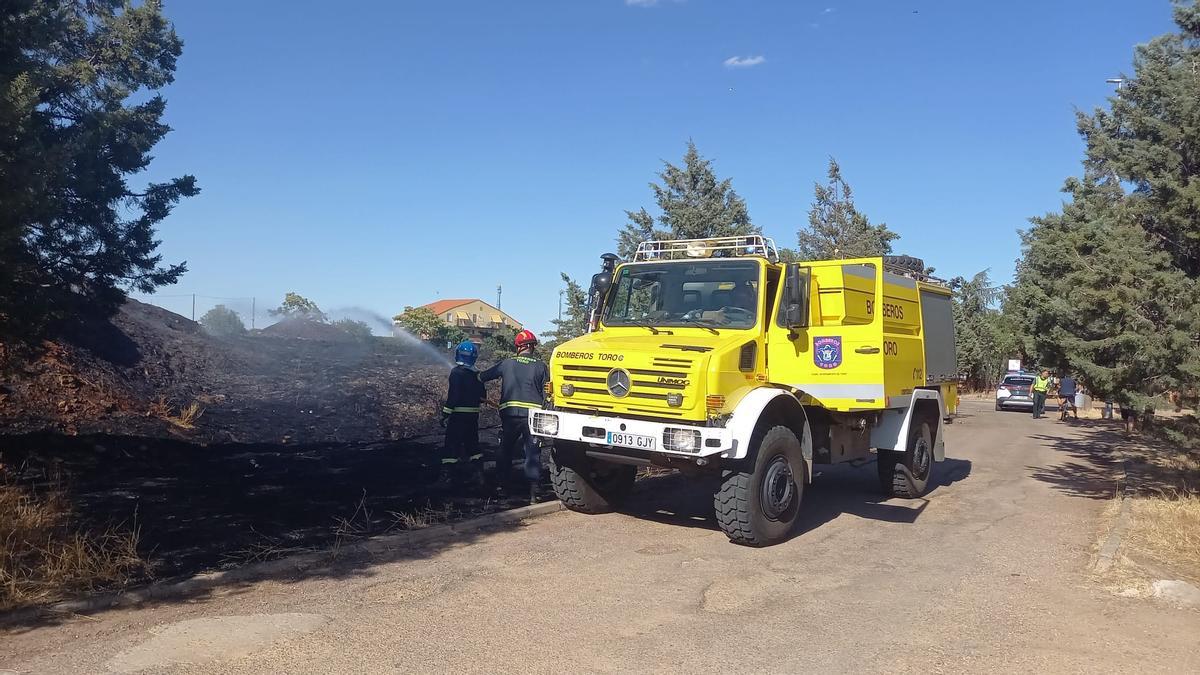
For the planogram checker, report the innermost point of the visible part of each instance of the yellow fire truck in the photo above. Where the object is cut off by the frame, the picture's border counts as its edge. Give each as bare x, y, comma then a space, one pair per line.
714, 357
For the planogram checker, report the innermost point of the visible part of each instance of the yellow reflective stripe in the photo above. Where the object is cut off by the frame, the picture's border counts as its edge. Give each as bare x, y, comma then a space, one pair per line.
520, 404
449, 460
476, 458
460, 410
525, 359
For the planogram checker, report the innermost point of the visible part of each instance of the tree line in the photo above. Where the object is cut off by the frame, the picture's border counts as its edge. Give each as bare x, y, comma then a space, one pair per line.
693, 203
1106, 288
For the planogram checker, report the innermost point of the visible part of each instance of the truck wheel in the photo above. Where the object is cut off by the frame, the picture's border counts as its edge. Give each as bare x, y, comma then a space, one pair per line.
590, 485
760, 508
906, 474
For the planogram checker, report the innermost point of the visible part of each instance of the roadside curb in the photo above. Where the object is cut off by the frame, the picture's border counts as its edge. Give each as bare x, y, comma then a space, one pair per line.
1108, 552
294, 563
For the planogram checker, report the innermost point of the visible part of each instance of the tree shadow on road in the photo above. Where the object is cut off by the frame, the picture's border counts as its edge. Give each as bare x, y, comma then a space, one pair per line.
835, 491
1091, 465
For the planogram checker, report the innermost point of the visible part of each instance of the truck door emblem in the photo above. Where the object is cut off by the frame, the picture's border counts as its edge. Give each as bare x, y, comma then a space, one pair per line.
619, 383
827, 352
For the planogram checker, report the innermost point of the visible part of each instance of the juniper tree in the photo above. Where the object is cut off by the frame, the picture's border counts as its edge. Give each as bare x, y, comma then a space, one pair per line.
79, 115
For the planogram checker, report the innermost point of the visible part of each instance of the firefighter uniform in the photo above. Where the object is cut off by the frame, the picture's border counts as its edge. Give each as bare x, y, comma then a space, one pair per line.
522, 388
461, 453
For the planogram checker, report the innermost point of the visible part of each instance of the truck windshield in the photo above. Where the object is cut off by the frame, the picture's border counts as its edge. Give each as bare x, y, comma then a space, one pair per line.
712, 293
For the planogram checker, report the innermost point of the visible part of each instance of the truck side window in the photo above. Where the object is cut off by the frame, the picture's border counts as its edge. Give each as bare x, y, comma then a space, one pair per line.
794, 270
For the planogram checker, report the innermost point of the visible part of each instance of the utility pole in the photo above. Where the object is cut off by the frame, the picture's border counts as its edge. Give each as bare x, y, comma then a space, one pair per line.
253, 311
193, 306
499, 292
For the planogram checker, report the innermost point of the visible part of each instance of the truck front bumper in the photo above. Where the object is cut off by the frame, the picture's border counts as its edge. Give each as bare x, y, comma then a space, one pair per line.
615, 433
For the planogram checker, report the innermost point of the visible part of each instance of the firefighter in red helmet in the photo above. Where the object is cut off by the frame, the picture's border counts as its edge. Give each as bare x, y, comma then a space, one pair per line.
522, 388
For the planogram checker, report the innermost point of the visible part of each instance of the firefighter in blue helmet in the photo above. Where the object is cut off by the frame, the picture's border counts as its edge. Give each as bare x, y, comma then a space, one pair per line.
523, 380
460, 417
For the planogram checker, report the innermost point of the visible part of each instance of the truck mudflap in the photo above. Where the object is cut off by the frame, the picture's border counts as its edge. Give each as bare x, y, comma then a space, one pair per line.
891, 433
643, 436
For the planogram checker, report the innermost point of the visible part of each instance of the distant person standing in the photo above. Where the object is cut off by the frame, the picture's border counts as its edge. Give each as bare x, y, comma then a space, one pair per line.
1067, 389
460, 418
1041, 384
523, 380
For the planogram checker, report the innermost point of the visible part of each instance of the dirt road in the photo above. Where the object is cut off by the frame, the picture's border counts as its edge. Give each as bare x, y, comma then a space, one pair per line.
989, 572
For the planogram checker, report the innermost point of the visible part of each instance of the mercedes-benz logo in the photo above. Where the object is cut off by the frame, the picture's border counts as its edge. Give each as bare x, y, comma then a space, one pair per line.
619, 383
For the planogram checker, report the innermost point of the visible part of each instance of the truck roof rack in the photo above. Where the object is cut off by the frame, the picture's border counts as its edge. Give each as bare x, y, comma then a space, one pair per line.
915, 275
714, 247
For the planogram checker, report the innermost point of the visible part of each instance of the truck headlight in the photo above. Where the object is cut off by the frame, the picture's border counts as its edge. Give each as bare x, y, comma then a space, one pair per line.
545, 424
681, 440
567, 389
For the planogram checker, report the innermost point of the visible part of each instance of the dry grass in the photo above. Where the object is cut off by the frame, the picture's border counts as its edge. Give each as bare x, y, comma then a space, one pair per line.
45, 557
1165, 476
426, 516
187, 416
644, 472
1168, 529
186, 419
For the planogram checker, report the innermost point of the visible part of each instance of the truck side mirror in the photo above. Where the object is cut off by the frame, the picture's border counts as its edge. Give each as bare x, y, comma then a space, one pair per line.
600, 284
795, 298
603, 281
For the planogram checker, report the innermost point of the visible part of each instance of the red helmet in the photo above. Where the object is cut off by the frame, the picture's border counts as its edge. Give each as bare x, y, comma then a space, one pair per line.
525, 339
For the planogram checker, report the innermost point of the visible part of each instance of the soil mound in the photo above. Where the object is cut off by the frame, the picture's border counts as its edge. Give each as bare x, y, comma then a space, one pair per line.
307, 329
150, 372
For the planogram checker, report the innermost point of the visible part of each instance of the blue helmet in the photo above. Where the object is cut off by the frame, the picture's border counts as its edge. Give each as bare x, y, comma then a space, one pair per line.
466, 353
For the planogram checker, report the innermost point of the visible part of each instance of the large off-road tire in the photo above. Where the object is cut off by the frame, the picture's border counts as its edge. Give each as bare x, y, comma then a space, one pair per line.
760, 507
590, 485
905, 262
906, 474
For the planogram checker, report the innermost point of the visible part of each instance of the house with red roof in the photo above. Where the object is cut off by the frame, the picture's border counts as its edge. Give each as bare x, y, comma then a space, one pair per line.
474, 316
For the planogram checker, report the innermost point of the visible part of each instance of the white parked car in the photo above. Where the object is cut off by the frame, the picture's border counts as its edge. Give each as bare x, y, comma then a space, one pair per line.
1015, 391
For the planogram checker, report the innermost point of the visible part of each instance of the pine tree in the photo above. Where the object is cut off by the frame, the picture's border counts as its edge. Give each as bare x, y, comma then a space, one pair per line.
978, 343
1109, 289
79, 115
836, 228
574, 321
694, 204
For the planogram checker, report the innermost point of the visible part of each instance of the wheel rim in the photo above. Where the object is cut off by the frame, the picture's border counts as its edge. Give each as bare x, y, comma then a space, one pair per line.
921, 458
778, 488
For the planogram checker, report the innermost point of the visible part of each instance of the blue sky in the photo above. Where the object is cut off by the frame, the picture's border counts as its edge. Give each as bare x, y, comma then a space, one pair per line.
381, 154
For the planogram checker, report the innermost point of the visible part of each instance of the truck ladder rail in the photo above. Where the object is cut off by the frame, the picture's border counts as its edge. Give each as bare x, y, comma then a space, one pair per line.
715, 247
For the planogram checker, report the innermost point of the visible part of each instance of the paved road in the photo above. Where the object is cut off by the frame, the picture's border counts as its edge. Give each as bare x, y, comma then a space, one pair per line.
989, 572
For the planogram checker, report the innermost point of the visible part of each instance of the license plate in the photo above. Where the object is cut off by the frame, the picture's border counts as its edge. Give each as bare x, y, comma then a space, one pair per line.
637, 441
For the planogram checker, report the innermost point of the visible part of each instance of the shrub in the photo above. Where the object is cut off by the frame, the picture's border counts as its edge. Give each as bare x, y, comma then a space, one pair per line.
222, 322
422, 323
355, 329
